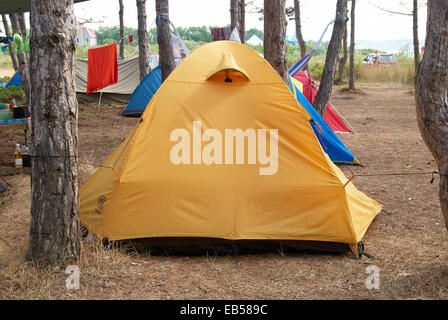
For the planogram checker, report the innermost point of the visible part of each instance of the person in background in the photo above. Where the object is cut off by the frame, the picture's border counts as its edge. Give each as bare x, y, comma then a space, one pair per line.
376, 58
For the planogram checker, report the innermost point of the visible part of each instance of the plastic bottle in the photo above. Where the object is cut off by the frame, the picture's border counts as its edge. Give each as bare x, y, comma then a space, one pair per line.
26, 159
18, 157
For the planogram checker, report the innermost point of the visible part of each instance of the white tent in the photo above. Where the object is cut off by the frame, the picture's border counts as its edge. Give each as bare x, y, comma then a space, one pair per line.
254, 41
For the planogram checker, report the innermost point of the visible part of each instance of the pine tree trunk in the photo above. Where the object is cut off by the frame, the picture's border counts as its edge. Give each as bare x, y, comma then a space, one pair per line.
343, 59
242, 20
142, 39
431, 92
22, 24
54, 230
351, 79
23, 62
415, 34
326, 84
12, 53
275, 36
164, 39
121, 28
299, 36
233, 14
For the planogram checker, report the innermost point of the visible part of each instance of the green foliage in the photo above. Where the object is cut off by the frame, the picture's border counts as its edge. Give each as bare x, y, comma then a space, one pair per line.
12, 92
197, 34
105, 34
254, 31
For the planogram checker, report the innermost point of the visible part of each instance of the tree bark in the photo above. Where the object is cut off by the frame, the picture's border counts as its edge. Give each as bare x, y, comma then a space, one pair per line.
121, 28
142, 39
299, 36
233, 14
23, 61
242, 20
326, 84
431, 93
12, 53
343, 59
351, 79
22, 24
415, 35
54, 230
164, 39
275, 36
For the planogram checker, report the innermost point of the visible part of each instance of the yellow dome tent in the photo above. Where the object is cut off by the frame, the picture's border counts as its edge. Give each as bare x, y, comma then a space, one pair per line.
224, 151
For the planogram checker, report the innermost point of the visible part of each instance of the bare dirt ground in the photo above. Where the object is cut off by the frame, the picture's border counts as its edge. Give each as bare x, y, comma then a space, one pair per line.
408, 239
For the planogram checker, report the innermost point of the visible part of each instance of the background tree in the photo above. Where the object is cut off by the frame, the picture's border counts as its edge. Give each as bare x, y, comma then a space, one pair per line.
197, 34
142, 38
254, 31
415, 35
22, 24
120, 13
54, 230
164, 38
12, 53
351, 78
234, 16
414, 15
299, 36
242, 20
23, 61
431, 93
326, 84
275, 36
343, 59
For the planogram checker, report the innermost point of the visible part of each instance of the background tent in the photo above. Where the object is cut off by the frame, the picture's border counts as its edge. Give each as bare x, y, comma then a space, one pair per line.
15, 80
128, 80
329, 141
330, 116
255, 41
141, 191
143, 93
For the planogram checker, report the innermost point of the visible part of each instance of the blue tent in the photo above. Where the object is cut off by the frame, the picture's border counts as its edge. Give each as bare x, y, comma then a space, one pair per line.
15, 80
329, 141
143, 93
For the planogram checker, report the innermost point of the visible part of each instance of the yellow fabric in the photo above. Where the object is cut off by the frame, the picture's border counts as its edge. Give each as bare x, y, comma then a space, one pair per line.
146, 195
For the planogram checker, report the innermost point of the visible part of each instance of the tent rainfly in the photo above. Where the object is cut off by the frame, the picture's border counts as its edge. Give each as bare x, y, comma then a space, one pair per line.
224, 151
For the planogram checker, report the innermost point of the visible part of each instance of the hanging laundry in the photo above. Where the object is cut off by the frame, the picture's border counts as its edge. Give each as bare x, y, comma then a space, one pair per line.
102, 67
131, 38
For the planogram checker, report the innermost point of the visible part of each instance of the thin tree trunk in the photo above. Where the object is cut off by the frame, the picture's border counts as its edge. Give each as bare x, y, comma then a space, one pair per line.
326, 84
233, 14
275, 36
242, 20
22, 24
415, 34
164, 39
142, 39
54, 230
121, 28
351, 79
431, 92
12, 53
299, 36
23, 62
343, 59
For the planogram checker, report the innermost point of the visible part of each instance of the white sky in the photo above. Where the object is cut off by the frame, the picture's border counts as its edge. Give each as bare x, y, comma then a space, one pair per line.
371, 23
